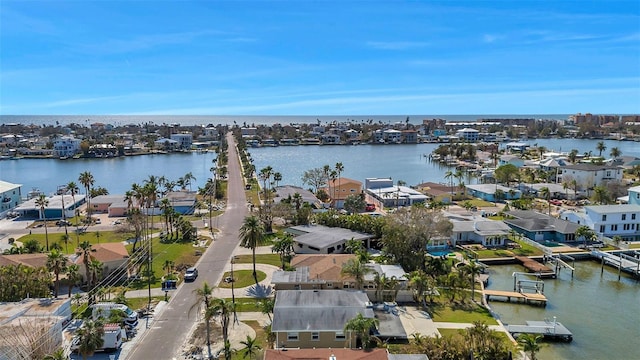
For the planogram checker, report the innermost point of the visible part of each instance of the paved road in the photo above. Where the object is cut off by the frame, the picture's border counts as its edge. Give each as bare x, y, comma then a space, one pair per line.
170, 329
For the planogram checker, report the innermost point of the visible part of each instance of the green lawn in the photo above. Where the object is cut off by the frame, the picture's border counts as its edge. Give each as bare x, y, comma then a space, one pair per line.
261, 338
445, 313
478, 203
450, 332
269, 259
634, 245
244, 304
243, 278
74, 239
139, 303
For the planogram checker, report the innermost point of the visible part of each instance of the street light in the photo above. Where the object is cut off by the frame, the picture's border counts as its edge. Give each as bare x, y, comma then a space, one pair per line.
233, 295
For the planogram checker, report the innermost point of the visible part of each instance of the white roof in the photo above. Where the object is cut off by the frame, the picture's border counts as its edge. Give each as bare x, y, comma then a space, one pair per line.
7, 186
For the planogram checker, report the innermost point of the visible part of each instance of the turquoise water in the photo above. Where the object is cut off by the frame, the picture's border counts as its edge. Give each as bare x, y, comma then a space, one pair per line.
602, 313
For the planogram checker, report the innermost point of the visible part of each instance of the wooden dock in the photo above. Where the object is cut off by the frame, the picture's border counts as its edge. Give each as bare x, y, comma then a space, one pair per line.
536, 267
522, 297
549, 329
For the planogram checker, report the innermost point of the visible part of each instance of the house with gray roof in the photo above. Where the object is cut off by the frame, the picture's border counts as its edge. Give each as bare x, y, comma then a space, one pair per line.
588, 176
609, 220
541, 227
316, 318
319, 239
489, 233
287, 192
487, 192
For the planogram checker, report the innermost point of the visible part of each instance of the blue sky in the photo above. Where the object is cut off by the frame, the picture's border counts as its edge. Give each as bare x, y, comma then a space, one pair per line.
319, 57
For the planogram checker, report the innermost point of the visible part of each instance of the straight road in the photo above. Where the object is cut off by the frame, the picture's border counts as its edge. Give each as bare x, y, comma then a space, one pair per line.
170, 329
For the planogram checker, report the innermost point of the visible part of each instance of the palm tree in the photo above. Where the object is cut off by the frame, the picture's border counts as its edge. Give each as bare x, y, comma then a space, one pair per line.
168, 266
223, 309
339, 170
357, 270
449, 175
615, 152
529, 343
361, 326
203, 296
574, 184
90, 337
251, 347
85, 247
601, 147
58, 354
277, 177
73, 276
252, 236
284, 247
473, 268
546, 194
586, 234
600, 195
73, 189
42, 202
266, 307
56, 263
573, 155
87, 180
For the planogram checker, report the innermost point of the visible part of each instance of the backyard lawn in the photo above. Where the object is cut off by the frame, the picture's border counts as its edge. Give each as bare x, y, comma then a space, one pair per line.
446, 313
269, 259
244, 304
93, 237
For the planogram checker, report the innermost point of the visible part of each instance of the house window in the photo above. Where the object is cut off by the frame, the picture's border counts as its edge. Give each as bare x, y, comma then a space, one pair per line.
624, 217
604, 217
340, 336
633, 216
315, 336
292, 336
601, 228
614, 227
329, 285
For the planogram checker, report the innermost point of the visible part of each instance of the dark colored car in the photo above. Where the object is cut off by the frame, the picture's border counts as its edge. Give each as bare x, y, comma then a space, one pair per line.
370, 207
191, 274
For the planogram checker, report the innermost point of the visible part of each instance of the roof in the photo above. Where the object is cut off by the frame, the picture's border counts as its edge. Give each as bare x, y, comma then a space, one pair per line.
323, 267
490, 188
543, 223
634, 189
7, 186
553, 188
106, 252
30, 260
314, 310
612, 209
408, 357
107, 199
324, 236
590, 167
397, 192
344, 181
55, 202
285, 191
324, 354
481, 227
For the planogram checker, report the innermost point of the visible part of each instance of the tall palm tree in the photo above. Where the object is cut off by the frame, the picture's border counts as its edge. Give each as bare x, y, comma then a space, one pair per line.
473, 268
73, 276
85, 247
87, 180
223, 309
266, 307
361, 326
252, 236
203, 296
530, 344
91, 338
277, 177
251, 347
546, 194
58, 354
449, 175
339, 170
284, 247
56, 263
585, 233
42, 202
601, 147
73, 189
357, 270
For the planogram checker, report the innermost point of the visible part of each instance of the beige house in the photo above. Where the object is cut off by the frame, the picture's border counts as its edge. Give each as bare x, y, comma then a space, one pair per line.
340, 188
318, 354
324, 272
112, 256
316, 319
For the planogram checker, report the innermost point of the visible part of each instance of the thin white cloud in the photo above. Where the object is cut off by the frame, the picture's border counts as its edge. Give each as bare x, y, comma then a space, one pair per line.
396, 45
491, 38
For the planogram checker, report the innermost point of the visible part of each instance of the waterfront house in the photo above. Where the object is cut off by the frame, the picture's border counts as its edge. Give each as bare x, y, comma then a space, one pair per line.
488, 233
588, 176
330, 139
634, 195
30, 210
340, 188
316, 319
609, 220
541, 227
510, 159
319, 239
410, 136
383, 193
337, 354
324, 272
557, 191
519, 147
102, 204
10, 197
165, 144
184, 140
113, 256
183, 202
287, 192
468, 134
438, 192
487, 192
66, 146
249, 132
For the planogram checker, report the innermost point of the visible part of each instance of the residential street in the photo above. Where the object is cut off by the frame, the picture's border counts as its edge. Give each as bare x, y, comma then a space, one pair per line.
173, 324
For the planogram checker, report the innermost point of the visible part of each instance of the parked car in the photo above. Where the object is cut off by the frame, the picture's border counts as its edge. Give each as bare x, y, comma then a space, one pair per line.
555, 202
370, 207
63, 223
191, 274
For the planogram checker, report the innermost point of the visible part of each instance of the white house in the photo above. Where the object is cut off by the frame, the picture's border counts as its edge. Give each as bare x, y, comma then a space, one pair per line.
66, 146
634, 195
609, 220
10, 197
468, 134
184, 140
489, 233
589, 176
389, 195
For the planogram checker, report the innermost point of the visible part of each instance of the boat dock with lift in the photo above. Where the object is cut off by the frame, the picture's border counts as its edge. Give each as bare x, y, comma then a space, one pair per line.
627, 263
549, 329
